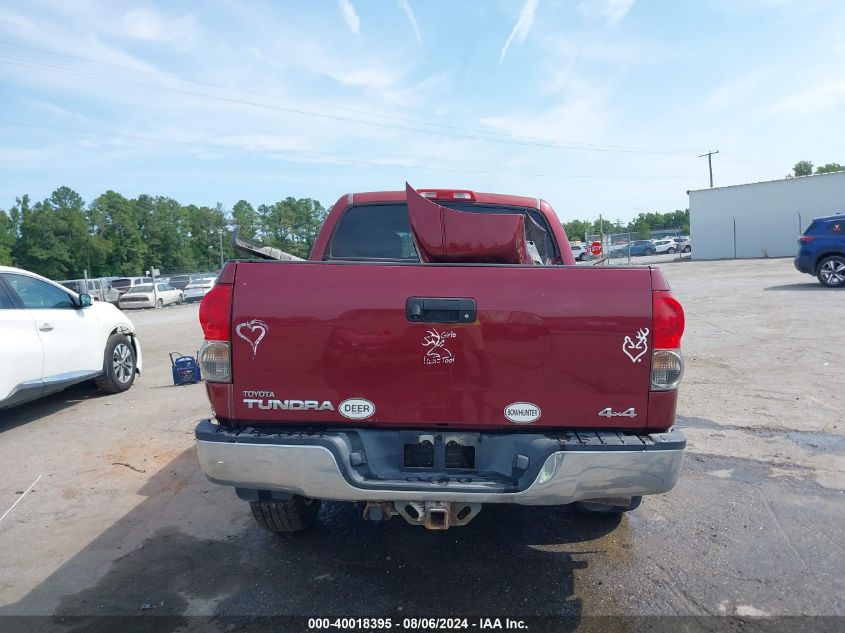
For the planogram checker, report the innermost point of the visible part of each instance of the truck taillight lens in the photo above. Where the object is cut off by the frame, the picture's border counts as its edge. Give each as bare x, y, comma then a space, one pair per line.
216, 361
215, 318
668, 320
215, 313
667, 369
667, 362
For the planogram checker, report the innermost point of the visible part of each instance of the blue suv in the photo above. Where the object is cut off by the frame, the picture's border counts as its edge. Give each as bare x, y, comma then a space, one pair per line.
822, 251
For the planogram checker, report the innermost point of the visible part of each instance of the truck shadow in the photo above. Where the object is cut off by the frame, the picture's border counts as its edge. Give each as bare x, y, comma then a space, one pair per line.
190, 549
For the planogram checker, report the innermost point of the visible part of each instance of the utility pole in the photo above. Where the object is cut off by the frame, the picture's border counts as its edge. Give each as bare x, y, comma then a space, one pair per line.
709, 156
221, 249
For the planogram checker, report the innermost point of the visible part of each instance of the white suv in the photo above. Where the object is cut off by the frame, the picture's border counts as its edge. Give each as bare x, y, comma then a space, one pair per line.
52, 338
579, 252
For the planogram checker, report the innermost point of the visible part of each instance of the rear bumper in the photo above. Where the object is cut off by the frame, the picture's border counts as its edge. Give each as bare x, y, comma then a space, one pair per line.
361, 465
804, 265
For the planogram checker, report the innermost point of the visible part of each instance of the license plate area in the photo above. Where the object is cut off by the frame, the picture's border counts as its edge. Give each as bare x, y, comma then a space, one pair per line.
439, 452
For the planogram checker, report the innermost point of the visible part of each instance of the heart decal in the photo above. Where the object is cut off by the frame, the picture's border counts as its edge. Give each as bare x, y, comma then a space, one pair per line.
253, 332
635, 350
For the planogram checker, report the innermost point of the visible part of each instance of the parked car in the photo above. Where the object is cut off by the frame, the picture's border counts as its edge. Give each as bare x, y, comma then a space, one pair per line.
635, 248
124, 284
822, 251
684, 243
580, 251
198, 288
181, 281
100, 289
666, 246
147, 296
52, 337
423, 391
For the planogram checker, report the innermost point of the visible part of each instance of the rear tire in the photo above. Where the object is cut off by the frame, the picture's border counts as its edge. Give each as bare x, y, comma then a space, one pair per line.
160, 304
118, 365
602, 508
831, 271
686, 249
283, 517
671, 251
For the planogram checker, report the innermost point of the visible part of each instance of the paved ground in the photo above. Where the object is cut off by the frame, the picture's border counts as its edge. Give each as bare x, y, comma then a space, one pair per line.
122, 522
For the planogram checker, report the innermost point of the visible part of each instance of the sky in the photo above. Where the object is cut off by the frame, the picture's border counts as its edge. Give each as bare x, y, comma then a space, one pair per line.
597, 106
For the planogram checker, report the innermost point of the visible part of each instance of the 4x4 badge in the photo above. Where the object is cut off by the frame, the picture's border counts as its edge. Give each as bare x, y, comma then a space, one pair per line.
610, 413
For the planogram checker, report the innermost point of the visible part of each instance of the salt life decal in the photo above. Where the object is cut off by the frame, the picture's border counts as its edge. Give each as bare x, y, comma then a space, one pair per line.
437, 352
253, 332
610, 413
635, 349
522, 412
356, 408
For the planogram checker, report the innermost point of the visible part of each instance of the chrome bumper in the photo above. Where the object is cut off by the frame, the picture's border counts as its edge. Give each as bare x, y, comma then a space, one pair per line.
565, 476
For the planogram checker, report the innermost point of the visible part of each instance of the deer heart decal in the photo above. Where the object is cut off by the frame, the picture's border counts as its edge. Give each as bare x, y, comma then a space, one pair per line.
253, 332
635, 350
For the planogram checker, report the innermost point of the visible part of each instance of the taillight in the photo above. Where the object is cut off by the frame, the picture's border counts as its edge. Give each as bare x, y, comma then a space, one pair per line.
668, 320
667, 362
215, 317
215, 311
806, 239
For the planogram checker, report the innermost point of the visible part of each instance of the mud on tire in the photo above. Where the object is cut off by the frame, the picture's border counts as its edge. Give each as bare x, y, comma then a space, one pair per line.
283, 517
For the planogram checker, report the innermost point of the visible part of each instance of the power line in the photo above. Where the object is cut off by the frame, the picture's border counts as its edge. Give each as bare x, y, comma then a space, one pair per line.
468, 133
313, 157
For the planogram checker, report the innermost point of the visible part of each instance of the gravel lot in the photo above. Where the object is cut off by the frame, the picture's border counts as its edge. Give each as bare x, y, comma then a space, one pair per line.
121, 521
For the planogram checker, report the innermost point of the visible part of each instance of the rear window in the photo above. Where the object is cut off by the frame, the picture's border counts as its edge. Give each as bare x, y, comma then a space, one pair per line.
140, 290
121, 283
383, 231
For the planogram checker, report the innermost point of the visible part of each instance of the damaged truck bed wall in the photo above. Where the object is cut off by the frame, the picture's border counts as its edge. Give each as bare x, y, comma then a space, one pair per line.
447, 235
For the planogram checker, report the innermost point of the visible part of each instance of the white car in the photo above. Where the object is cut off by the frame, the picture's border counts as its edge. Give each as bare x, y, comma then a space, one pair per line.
579, 252
198, 288
52, 338
150, 296
684, 243
664, 246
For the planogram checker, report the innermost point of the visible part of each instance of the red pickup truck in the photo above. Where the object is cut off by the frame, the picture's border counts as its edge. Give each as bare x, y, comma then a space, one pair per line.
405, 367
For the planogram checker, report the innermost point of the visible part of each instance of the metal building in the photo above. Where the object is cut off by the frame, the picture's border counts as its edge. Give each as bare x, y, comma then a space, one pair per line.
761, 219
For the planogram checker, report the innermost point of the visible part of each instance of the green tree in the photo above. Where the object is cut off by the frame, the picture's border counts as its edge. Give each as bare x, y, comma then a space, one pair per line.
829, 168
41, 246
291, 224
208, 231
7, 238
164, 229
803, 168
113, 220
245, 217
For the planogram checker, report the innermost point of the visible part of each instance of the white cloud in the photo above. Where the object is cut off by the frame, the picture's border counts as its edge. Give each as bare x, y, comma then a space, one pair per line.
406, 7
612, 11
823, 95
152, 26
522, 27
350, 16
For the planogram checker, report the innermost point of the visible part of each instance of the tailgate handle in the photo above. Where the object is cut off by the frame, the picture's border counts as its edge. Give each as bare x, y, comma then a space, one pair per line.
440, 310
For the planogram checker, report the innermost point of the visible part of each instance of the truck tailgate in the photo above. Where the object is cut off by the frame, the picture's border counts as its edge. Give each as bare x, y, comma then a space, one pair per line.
331, 343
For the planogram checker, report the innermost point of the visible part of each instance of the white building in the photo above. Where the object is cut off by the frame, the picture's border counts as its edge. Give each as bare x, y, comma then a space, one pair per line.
761, 219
